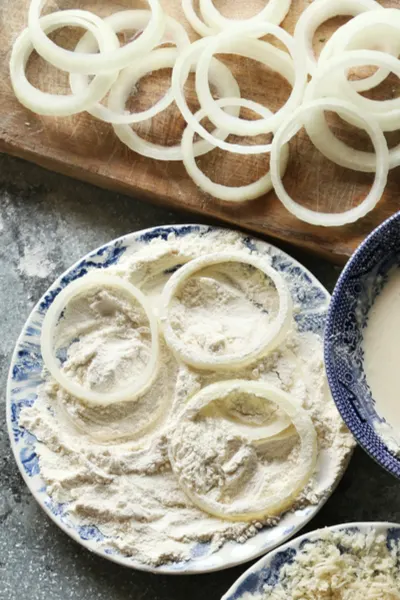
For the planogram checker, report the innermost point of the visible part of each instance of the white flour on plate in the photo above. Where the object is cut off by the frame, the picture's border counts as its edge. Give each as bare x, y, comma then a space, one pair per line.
111, 465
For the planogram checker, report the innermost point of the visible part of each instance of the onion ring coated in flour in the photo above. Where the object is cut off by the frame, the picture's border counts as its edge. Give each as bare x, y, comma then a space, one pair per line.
93, 64
44, 103
224, 192
161, 58
228, 42
84, 284
274, 12
263, 503
293, 125
272, 337
120, 21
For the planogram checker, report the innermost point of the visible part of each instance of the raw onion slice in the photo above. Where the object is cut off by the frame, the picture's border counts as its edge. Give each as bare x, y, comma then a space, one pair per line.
235, 43
370, 30
317, 13
262, 502
326, 141
217, 190
94, 64
80, 286
196, 23
221, 77
274, 12
187, 60
44, 103
275, 333
120, 21
289, 129
330, 80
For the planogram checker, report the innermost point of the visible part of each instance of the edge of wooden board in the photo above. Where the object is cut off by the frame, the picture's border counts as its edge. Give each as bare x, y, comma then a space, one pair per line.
107, 182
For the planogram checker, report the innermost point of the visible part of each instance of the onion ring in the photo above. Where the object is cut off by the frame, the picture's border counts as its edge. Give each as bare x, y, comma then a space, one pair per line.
274, 12
89, 64
293, 125
324, 83
272, 337
123, 20
195, 22
44, 103
95, 280
326, 141
180, 73
317, 13
223, 192
263, 503
356, 34
236, 44
158, 59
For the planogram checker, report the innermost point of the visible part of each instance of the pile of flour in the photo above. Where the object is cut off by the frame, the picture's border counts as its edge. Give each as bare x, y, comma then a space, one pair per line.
111, 464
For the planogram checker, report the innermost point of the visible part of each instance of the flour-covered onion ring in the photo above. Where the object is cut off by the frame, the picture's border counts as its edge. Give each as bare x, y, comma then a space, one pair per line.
235, 43
294, 124
120, 21
82, 285
271, 337
220, 75
44, 103
278, 425
317, 13
372, 30
248, 47
274, 12
195, 22
262, 503
94, 64
217, 190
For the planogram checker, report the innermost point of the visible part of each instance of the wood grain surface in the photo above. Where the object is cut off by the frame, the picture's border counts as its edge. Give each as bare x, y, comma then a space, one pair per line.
82, 147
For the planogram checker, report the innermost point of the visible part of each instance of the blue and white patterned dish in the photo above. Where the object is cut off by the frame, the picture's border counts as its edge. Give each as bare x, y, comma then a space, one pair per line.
25, 377
361, 281
267, 570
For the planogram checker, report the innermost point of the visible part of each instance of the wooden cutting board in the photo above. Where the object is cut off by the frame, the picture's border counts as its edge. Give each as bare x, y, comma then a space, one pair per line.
84, 148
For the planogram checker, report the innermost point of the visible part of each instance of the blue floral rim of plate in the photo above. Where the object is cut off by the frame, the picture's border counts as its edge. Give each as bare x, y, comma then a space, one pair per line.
361, 281
25, 377
267, 570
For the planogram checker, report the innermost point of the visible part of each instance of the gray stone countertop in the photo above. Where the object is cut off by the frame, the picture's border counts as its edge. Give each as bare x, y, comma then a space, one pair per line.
46, 223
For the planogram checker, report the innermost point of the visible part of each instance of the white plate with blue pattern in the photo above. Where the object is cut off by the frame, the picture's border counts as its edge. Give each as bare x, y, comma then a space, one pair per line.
25, 378
267, 571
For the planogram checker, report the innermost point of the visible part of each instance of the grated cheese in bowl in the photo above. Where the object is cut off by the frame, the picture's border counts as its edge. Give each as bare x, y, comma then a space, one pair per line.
341, 565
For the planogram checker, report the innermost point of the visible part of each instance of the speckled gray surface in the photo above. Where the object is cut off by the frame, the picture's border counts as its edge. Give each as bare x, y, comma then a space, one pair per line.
46, 223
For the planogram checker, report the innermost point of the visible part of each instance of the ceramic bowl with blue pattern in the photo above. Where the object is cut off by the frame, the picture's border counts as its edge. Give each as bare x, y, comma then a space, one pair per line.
26, 376
267, 571
360, 283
